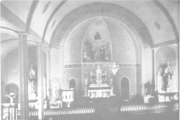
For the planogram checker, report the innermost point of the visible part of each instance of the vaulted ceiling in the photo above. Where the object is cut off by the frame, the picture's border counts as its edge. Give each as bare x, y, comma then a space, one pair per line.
40, 19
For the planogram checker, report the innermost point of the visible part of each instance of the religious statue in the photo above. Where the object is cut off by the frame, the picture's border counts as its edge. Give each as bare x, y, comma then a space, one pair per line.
11, 96
55, 92
98, 73
104, 78
148, 88
159, 82
85, 86
32, 84
167, 77
32, 74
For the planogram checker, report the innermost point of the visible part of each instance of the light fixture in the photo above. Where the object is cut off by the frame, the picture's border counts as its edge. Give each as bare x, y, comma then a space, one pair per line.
114, 68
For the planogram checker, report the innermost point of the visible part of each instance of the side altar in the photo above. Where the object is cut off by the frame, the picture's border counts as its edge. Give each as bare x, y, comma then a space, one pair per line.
98, 85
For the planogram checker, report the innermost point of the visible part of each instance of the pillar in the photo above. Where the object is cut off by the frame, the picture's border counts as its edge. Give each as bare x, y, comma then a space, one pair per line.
23, 64
40, 67
153, 71
48, 90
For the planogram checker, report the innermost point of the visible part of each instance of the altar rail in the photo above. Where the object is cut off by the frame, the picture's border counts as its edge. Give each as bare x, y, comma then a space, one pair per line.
10, 112
64, 111
150, 108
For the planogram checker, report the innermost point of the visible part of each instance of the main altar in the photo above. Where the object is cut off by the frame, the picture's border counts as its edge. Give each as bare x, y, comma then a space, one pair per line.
98, 85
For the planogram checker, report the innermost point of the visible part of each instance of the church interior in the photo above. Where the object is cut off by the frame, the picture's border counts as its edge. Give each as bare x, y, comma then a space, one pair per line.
90, 59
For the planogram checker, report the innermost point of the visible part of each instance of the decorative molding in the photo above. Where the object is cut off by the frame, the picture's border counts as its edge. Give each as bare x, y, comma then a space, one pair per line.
100, 9
79, 65
51, 17
169, 42
46, 6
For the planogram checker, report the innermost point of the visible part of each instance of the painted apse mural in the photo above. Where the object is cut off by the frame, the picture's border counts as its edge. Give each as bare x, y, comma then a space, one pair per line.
96, 46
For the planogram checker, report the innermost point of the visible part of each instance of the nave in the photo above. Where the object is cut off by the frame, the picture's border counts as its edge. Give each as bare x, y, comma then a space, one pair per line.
103, 59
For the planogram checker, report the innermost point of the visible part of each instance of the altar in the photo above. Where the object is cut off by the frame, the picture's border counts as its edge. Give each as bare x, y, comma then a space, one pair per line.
166, 84
100, 92
100, 86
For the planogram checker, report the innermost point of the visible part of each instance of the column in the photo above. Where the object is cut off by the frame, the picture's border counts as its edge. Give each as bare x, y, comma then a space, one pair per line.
40, 81
153, 71
23, 64
48, 90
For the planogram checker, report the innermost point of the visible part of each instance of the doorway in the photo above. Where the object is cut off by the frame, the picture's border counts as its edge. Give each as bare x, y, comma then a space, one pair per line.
72, 85
125, 88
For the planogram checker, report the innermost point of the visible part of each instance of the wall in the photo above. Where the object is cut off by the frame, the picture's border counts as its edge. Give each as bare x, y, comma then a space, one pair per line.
69, 57
122, 43
55, 64
10, 68
10, 71
130, 74
147, 64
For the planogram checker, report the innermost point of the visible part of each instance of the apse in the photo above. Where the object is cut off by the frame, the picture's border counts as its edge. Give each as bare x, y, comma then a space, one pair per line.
100, 41
89, 59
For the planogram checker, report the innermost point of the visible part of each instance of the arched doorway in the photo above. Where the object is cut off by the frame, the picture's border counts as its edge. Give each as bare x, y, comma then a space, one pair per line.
72, 85
125, 88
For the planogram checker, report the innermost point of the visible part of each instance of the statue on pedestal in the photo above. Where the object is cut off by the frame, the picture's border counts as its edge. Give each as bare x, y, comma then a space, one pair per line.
148, 88
167, 78
86, 87
32, 84
98, 73
98, 76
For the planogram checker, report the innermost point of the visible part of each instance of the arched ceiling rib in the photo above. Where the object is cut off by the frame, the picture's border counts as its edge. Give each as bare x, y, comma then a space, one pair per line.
7, 34
145, 12
172, 8
156, 21
19, 8
42, 15
101, 9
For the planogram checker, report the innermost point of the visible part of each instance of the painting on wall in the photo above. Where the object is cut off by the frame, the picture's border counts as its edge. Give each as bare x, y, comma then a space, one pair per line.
97, 42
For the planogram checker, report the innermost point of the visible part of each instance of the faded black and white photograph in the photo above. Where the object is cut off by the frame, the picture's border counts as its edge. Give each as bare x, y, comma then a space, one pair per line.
89, 59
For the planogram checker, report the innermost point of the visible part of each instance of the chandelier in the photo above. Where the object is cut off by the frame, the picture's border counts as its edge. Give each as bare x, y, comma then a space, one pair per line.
114, 68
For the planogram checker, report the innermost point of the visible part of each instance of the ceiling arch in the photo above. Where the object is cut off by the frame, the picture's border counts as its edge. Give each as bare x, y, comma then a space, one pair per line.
165, 11
145, 12
162, 26
100, 9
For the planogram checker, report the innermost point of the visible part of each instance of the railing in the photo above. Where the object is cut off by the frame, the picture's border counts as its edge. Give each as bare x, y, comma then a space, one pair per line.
64, 111
11, 112
154, 108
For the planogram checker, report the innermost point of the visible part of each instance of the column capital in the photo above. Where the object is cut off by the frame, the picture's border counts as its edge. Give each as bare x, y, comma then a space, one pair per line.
47, 48
44, 46
40, 44
21, 33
